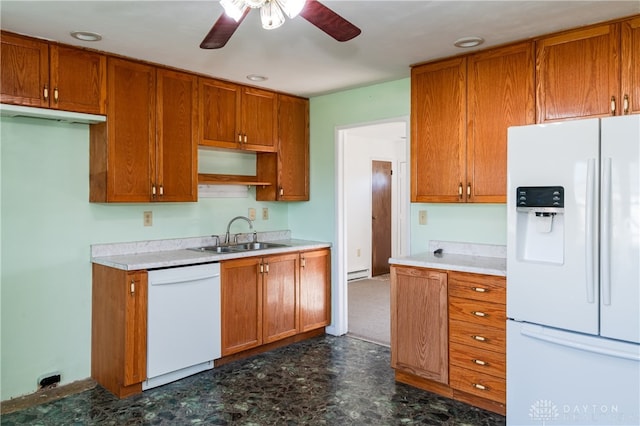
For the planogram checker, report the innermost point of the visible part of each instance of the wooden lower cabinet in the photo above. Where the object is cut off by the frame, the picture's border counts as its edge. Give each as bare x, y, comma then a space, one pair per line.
448, 334
119, 329
272, 298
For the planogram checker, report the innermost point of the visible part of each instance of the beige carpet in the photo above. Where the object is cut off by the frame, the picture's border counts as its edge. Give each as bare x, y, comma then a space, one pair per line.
369, 310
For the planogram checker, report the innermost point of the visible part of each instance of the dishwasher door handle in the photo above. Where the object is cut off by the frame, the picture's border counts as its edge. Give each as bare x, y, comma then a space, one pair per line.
183, 279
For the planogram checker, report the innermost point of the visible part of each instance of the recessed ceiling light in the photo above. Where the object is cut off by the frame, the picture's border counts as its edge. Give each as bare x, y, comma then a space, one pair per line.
466, 42
86, 35
256, 77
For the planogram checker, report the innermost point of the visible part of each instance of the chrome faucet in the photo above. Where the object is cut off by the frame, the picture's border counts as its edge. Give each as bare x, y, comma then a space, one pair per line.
226, 237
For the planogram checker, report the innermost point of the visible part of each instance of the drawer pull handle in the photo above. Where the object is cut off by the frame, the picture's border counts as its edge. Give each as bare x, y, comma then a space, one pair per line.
479, 314
479, 386
480, 338
479, 289
480, 362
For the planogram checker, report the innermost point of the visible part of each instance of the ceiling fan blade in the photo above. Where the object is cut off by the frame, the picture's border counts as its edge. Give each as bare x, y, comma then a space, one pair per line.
222, 31
329, 21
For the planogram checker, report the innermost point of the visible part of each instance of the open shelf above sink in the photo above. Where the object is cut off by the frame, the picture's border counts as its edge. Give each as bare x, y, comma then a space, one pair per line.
216, 179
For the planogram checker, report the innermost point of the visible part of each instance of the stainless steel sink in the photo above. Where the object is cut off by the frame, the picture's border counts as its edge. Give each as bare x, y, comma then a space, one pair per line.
234, 248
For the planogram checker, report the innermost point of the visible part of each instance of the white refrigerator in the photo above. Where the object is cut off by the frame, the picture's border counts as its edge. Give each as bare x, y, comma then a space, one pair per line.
573, 273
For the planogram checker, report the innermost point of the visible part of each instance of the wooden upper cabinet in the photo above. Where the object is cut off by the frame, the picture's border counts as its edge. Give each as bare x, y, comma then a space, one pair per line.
630, 66
237, 117
500, 93
147, 149
288, 169
176, 171
38, 74
578, 74
438, 131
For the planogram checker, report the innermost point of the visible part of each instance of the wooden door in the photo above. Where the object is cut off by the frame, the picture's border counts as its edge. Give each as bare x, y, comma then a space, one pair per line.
419, 322
131, 130
438, 131
259, 120
241, 300
25, 71
176, 171
78, 80
315, 289
578, 74
380, 217
280, 296
219, 110
500, 93
631, 66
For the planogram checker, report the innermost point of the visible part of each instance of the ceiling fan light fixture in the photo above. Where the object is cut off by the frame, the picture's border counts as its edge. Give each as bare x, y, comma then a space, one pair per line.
291, 8
234, 8
271, 15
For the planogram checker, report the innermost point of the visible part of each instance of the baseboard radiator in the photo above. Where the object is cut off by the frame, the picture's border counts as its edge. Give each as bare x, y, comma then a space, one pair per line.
357, 275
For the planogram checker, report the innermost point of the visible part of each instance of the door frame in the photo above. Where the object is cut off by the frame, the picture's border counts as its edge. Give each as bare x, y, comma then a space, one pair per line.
339, 325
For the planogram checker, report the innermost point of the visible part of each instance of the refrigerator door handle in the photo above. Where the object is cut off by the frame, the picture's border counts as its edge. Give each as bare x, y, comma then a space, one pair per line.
605, 237
590, 232
564, 341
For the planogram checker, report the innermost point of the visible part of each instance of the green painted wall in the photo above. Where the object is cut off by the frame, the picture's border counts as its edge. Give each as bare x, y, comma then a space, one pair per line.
47, 228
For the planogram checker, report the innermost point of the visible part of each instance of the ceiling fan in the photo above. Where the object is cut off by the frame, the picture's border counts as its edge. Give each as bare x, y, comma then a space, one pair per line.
271, 13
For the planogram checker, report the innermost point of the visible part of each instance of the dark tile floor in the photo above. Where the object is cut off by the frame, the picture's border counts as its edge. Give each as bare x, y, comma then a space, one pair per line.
323, 381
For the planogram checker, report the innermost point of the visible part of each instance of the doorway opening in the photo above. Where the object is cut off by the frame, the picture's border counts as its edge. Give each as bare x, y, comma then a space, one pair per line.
360, 150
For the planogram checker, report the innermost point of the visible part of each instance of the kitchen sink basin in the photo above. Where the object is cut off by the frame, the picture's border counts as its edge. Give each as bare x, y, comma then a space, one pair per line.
234, 248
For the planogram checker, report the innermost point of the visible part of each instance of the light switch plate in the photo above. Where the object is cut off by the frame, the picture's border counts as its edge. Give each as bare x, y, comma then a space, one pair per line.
265, 213
252, 213
148, 218
422, 217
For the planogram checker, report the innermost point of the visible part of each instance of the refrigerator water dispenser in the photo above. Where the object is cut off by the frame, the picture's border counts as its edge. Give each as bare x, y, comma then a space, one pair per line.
540, 224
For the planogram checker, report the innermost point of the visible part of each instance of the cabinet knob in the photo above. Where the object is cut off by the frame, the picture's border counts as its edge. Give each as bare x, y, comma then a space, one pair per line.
613, 105
132, 287
480, 362
479, 386
469, 190
479, 314
460, 190
479, 338
239, 138
245, 138
55, 95
153, 190
45, 92
625, 104
266, 268
479, 289
161, 190
281, 191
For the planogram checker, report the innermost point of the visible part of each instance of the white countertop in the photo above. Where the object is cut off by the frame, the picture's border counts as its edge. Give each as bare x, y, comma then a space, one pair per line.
463, 257
169, 253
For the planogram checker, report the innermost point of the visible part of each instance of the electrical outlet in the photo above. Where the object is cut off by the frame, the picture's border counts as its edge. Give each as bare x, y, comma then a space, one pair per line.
252, 213
422, 217
148, 218
265, 213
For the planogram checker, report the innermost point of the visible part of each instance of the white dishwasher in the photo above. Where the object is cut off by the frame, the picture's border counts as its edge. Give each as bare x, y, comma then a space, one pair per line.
183, 322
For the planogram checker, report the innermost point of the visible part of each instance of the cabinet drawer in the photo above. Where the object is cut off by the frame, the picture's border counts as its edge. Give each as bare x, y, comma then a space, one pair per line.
477, 359
487, 288
477, 335
482, 313
483, 385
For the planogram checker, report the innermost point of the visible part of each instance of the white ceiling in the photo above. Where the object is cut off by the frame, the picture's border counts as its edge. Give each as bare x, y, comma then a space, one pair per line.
299, 58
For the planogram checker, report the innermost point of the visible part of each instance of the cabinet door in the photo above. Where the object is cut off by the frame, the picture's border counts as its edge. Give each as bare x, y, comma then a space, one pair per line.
241, 301
631, 66
135, 328
288, 169
24, 72
176, 174
280, 297
130, 130
315, 289
259, 120
78, 80
500, 94
578, 74
419, 324
219, 113
438, 137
